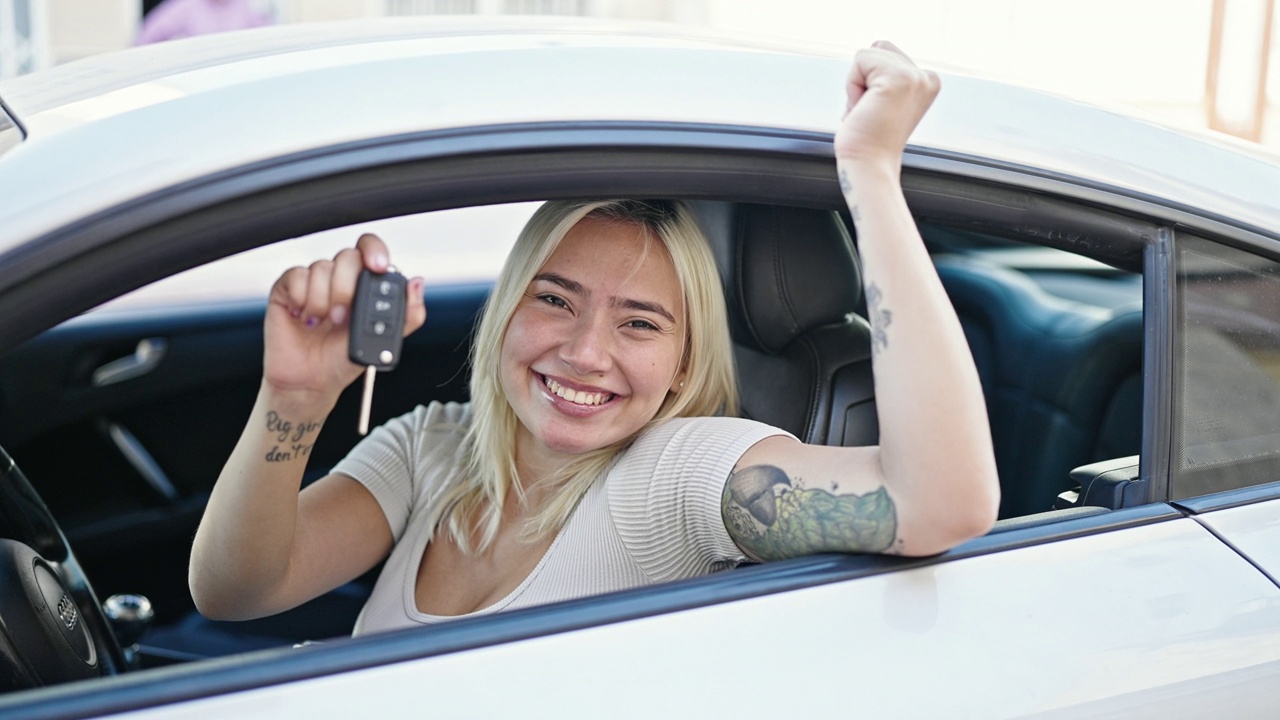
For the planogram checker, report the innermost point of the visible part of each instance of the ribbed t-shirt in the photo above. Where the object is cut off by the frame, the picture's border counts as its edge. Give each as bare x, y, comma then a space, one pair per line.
653, 517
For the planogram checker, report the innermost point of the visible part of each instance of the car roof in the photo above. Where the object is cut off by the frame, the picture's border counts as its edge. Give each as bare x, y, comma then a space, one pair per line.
109, 128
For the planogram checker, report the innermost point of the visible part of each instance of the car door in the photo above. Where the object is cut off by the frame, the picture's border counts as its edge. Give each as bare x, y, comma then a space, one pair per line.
1109, 625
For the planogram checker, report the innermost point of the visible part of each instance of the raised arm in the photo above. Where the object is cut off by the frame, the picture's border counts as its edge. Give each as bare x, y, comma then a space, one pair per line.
262, 547
931, 483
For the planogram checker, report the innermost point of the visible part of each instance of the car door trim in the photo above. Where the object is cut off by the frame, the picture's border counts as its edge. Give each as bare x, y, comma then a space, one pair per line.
1229, 498
1158, 303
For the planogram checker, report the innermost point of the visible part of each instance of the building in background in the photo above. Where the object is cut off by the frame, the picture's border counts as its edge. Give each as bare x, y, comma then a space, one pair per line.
177, 19
24, 37
1189, 63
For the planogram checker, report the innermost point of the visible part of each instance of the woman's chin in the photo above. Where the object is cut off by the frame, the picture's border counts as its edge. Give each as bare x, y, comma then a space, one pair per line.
573, 445
577, 440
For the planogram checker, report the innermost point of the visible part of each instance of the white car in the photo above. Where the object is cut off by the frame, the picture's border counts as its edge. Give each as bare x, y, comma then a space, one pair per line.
1119, 284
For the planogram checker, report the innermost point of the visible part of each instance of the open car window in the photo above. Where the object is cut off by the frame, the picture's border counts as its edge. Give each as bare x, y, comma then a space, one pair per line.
447, 246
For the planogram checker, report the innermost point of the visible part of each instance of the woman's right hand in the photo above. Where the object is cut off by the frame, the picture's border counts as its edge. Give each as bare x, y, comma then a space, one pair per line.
306, 327
887, 97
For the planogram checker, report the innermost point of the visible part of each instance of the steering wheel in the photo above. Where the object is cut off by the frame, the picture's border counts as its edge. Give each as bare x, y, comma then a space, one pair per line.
52, 628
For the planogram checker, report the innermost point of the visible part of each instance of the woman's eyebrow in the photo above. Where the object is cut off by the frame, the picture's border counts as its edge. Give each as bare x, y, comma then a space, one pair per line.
564, 282
642, 306
628, 303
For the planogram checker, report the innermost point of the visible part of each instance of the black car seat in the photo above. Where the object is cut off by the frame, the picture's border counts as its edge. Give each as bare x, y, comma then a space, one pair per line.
793, 285
1062, 379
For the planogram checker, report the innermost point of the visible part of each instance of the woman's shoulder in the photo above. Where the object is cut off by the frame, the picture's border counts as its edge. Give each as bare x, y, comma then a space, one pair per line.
437, 417
693, 431
440, 414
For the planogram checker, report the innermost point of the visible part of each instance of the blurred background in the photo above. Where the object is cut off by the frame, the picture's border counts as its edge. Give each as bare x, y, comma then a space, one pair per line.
1188, 63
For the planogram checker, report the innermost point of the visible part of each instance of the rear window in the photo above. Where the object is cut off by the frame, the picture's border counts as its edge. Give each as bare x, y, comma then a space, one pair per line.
1227, 355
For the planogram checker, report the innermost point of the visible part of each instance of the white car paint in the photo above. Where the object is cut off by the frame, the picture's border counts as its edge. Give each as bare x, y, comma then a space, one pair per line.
142, 113
1151, 613
1253, 529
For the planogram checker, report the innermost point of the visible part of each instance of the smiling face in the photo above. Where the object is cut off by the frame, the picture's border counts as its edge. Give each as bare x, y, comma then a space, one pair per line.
595, 343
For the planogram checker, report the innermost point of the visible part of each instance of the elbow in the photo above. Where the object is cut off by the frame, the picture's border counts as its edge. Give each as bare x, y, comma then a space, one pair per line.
970, 515
977, 504
984, 509
218, 598
208, 601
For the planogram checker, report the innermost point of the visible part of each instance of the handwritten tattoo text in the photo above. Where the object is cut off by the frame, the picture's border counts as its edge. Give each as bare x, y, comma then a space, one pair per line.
293, 435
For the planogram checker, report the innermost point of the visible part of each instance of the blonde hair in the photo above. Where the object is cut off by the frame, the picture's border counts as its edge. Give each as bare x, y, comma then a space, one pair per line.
473, 502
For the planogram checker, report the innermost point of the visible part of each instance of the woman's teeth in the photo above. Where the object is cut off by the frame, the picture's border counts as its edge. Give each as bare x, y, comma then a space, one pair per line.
578, 397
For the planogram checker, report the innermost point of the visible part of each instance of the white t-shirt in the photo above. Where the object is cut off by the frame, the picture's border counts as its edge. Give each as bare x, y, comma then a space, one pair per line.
654, 518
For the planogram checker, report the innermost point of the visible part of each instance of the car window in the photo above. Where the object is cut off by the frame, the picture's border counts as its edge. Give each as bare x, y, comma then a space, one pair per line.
1060, 273
1056, 339
447, 246
1227, 369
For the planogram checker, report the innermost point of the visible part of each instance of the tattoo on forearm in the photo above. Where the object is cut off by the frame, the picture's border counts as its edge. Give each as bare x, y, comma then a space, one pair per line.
293, 435
880, 318
846, 187
773, 516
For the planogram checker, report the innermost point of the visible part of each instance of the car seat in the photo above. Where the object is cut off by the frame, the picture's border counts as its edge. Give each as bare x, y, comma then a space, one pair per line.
794, 287
1062, 379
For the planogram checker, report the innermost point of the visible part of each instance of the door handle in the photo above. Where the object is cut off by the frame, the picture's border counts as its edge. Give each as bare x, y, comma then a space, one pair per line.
145, 358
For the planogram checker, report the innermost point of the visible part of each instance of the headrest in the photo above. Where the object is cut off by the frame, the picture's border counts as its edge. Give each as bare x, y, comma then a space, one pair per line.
789, 270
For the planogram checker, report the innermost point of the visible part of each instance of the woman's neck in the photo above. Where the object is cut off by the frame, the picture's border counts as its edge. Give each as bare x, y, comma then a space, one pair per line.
534, 465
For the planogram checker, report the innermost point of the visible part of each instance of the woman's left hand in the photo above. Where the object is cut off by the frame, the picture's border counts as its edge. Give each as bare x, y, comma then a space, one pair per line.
887, 96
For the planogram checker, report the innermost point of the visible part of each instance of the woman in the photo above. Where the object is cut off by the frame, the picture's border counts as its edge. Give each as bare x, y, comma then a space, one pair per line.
588, 459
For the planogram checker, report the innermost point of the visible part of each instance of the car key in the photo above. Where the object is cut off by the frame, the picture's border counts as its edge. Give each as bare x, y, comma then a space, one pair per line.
377, 329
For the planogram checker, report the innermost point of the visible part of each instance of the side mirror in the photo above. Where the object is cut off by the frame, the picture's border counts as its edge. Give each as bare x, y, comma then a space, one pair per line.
1110, 484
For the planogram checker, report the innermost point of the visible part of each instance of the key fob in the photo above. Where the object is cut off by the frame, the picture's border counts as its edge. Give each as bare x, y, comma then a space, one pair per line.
377, 319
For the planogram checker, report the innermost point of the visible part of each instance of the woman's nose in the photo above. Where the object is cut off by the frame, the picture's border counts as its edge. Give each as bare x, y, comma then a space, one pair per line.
588, 350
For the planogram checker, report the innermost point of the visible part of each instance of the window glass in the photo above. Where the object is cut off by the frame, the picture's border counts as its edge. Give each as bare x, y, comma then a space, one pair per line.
447, 246
1227, 369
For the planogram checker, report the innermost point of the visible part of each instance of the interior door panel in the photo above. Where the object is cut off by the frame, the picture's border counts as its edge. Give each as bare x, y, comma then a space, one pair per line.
127, 465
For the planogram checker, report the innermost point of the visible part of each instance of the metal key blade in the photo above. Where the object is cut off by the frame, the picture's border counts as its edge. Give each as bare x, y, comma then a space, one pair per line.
366, 401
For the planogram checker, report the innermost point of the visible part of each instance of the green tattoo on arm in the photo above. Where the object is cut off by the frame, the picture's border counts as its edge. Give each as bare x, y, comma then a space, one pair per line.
772, 516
